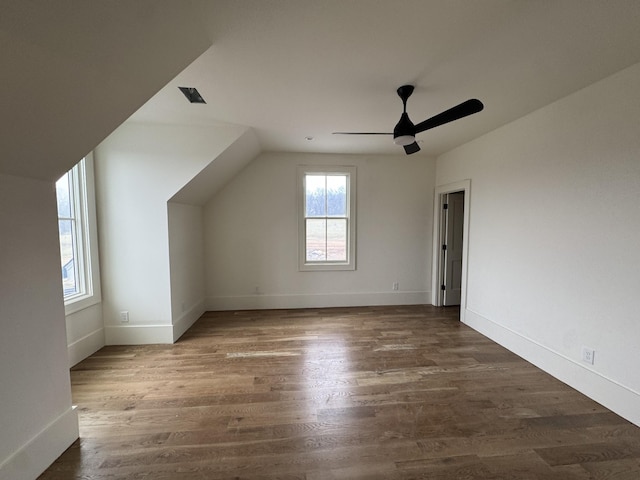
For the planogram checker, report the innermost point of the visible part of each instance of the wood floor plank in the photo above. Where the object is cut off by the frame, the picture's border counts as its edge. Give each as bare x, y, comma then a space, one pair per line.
392, 393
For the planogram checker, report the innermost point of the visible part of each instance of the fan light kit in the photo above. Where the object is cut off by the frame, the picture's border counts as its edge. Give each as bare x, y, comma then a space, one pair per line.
405, 131
404, 140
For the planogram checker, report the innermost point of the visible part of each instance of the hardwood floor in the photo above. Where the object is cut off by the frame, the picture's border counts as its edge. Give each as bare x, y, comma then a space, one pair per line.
350, 393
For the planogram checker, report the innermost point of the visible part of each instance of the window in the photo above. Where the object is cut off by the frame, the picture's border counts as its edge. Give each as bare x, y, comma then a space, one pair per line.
76, 227
327, 218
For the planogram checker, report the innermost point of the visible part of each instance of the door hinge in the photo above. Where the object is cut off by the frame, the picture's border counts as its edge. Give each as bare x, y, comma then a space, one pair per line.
444, 248
445, 206
443, 287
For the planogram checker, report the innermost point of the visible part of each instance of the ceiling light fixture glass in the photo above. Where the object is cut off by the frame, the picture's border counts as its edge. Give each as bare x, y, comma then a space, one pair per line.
404, 140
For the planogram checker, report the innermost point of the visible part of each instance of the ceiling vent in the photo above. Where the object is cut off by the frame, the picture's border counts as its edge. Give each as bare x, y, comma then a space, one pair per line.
192, 94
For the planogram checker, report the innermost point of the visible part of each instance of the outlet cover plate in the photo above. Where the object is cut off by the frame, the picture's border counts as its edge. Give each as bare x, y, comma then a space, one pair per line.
588, 355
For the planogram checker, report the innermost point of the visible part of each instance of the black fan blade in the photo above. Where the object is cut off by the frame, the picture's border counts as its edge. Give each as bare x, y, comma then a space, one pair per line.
413, 148
459, 111
362, 133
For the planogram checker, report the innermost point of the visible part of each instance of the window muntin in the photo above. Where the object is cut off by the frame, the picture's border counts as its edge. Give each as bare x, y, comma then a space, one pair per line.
327, 223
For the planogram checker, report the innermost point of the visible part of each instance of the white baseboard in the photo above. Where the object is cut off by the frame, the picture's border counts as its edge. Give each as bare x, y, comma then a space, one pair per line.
321, 300
614, 396
138, 334
188, 318
41, 451
85, 346
153, 334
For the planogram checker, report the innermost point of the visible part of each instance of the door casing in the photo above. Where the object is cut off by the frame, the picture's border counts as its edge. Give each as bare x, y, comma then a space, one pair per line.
461, 186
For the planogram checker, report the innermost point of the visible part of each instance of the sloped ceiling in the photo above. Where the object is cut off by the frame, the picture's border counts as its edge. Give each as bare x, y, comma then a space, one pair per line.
217, 173
292, 69
73, 70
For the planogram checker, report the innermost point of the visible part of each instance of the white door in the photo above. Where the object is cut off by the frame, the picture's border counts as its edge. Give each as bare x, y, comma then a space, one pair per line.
453, 209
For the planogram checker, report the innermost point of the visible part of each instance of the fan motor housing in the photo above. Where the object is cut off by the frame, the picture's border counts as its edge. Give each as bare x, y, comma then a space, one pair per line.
404, 127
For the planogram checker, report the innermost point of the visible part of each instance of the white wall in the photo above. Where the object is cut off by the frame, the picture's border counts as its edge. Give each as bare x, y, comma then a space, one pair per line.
82, 69
85, 333
186, 263
251, 236
138, 169
35, 393
554, 235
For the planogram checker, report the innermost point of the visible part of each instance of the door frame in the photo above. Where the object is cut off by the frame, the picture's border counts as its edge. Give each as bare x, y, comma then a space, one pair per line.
436, 274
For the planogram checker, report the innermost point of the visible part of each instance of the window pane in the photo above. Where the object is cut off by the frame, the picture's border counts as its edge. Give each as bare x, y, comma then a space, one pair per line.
316, 240
63, 196
337, 240
67, 256
336, 195
326, 229
315, 196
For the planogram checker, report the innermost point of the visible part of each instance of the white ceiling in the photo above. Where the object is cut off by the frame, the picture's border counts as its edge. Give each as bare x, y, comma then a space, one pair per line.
292, 69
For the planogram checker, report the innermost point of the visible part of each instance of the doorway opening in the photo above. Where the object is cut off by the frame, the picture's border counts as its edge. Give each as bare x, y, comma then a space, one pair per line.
450, 245
452, 213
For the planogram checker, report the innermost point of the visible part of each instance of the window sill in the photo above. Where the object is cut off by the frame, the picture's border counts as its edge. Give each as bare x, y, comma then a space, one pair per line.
326, 267
80, 303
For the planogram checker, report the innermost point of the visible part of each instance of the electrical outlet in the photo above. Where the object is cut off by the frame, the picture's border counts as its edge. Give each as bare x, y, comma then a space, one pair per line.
395, 285
588, 355
124, 317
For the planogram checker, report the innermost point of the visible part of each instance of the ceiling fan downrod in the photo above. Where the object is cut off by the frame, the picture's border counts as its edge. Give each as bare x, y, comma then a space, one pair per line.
404, 133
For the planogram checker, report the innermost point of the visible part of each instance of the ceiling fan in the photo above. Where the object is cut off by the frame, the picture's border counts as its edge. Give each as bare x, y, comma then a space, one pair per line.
405, 131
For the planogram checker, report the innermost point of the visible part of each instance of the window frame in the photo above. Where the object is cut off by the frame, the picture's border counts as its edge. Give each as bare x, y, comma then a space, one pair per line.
327, 265
85, 237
